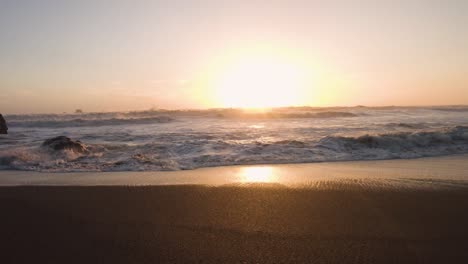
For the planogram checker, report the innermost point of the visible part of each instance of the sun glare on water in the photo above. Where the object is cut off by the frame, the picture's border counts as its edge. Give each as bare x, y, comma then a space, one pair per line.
259, 82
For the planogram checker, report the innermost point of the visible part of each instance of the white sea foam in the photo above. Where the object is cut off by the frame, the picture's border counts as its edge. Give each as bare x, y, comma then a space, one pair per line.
174, 140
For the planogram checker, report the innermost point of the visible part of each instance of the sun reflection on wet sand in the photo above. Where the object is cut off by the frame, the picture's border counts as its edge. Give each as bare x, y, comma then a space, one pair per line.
258, 174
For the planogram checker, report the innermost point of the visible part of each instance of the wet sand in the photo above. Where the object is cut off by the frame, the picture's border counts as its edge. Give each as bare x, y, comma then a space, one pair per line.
398, 211
413, 173
347, 221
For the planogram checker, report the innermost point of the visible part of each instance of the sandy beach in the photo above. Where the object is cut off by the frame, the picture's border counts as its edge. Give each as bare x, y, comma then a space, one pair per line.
432, 172
352, 219
255, 224
233, 132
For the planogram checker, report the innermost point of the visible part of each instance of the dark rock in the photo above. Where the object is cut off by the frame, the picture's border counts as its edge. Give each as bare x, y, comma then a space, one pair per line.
64, 143
3, 125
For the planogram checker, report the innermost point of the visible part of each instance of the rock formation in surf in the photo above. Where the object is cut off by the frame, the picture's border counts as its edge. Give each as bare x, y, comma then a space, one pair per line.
64, 143
3, 125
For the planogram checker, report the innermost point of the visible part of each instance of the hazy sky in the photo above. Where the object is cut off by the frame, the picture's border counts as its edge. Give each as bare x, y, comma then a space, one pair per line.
96, 55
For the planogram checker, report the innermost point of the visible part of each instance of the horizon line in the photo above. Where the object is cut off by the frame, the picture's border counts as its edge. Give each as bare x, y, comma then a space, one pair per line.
237, 108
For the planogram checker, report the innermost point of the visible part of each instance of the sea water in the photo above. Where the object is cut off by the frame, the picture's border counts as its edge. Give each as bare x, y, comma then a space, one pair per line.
157, 140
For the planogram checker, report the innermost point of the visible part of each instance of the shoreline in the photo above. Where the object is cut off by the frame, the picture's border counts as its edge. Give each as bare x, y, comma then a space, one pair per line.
442, 168
394, 211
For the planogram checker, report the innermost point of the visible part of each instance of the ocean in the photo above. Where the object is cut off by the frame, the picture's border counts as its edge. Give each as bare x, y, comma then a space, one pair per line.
167, 140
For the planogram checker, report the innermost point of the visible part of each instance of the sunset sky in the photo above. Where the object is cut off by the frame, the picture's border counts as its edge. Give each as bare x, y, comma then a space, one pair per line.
57, 56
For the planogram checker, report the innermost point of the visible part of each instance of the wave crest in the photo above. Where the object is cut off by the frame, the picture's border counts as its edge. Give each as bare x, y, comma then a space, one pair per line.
402, 145
78, 122
211, 151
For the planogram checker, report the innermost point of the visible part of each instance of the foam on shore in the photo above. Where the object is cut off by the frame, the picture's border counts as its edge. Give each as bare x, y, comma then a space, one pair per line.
440, 172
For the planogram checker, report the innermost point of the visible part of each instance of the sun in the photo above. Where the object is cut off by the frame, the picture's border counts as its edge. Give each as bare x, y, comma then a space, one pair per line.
259, 82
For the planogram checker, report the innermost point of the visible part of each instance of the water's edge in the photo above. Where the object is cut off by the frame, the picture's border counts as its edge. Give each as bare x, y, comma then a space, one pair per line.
446, 170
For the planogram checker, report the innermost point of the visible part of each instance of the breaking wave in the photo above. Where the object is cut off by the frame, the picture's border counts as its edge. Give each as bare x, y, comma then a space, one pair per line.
401, 145
79, 122
149, 117
208, 151
460, 108
235, 113
407, 125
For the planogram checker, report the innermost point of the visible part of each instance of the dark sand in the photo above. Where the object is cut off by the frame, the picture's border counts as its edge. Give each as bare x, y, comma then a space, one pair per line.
255, 224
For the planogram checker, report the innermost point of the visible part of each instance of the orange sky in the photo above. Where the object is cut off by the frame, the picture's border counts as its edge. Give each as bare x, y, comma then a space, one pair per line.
128, 55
